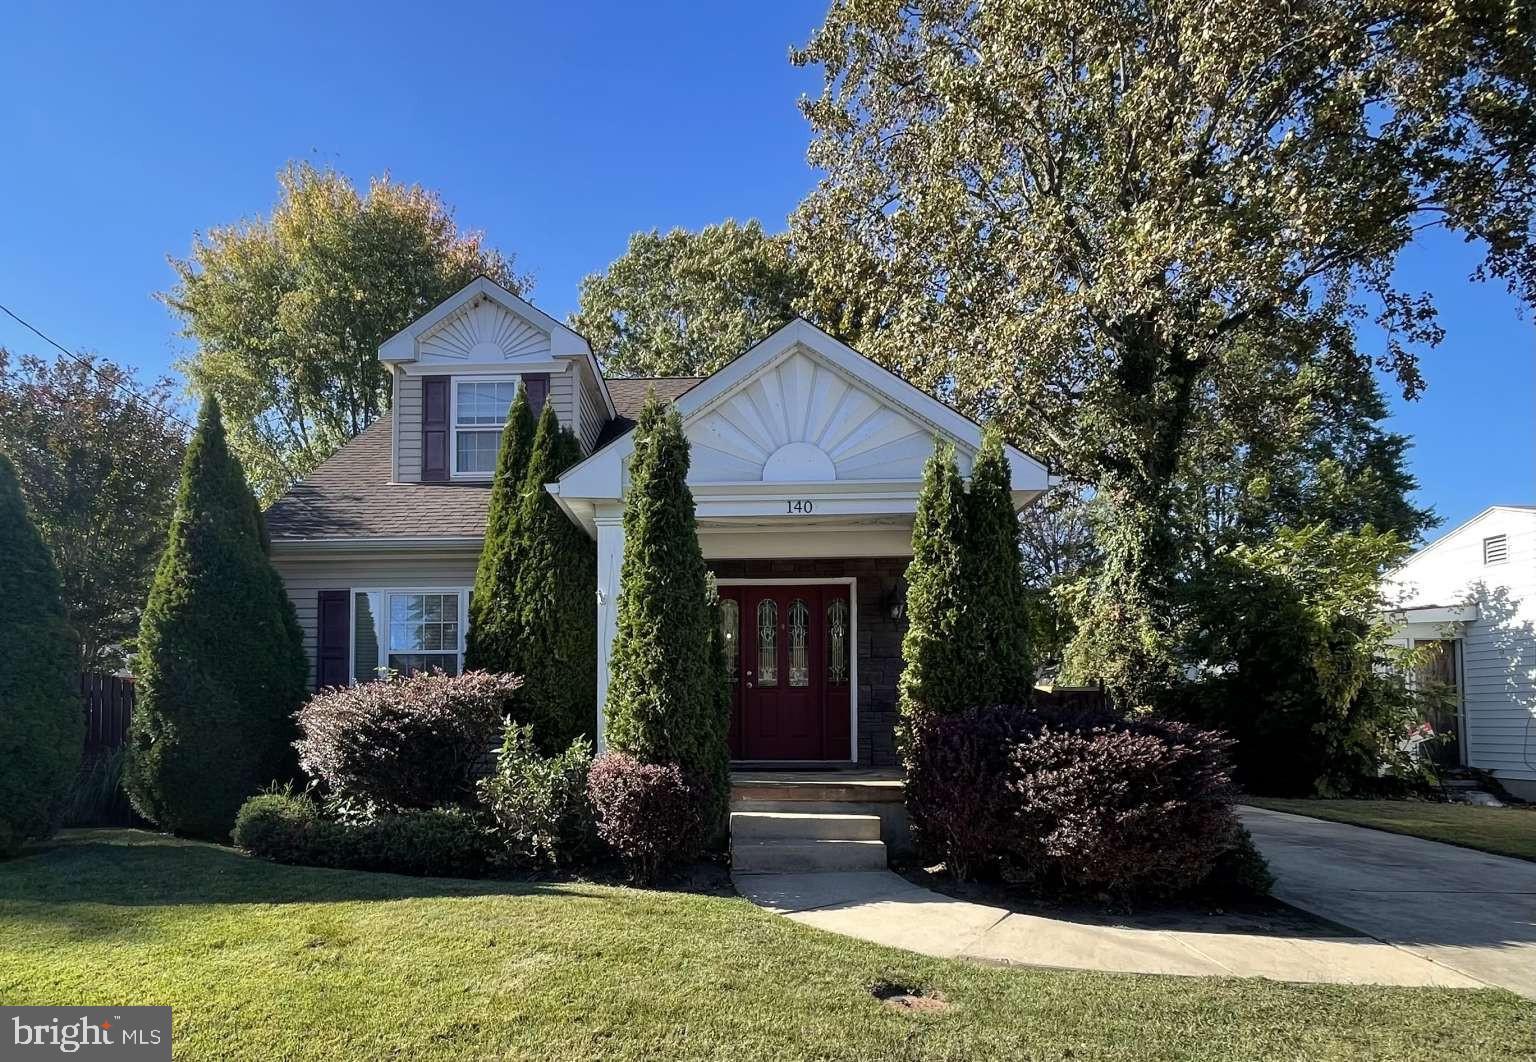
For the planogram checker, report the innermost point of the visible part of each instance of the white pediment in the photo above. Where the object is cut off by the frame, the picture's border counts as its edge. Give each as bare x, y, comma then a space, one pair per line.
481, 332
802, 420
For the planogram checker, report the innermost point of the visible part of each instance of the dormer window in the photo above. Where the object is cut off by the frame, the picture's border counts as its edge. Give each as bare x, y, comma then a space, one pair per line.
480, 406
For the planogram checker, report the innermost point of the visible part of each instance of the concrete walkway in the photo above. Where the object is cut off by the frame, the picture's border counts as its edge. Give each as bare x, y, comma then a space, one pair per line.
1462, 910
879, 906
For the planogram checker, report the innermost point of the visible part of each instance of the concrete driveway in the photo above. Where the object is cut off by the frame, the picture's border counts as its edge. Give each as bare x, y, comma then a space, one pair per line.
1467, 911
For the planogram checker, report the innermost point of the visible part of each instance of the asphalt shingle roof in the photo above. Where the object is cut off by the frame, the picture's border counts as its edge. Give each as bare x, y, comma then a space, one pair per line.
350, 495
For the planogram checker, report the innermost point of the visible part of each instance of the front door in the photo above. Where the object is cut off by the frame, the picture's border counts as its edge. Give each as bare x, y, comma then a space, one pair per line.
790, 671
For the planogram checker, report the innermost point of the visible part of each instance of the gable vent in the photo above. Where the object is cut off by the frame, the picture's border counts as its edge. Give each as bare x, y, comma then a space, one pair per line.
1495, 549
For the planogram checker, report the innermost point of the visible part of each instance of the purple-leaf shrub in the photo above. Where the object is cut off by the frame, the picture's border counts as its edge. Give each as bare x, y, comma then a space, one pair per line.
1124, 808
408, 743
647, 813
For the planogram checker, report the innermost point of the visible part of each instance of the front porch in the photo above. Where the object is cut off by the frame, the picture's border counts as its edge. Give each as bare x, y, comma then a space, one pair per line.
833, 818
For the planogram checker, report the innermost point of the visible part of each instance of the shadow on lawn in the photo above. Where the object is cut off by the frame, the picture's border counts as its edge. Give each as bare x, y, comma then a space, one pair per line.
136, 868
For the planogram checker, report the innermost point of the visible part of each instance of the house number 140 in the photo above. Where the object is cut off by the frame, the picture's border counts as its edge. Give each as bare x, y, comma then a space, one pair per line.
799, 506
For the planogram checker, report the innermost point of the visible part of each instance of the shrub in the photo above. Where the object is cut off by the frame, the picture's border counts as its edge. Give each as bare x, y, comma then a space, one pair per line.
647, 813
956, 768
664, 694
291, 828
1001, 619
935, 675
407, 743
221, 666
557, 653
540, 802
491, 642
1121, 808
1077, 801
97, 797
42, 725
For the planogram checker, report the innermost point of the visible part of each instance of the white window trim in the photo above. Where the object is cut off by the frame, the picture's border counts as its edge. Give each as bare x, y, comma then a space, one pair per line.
453, 419
381, 621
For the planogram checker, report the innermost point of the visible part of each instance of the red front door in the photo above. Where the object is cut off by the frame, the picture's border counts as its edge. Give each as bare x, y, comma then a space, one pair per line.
790, 671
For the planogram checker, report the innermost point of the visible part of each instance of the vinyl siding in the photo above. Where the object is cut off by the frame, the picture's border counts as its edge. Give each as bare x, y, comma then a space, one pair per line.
592, 414
1499, 648
407, 428
307, 574
562, 396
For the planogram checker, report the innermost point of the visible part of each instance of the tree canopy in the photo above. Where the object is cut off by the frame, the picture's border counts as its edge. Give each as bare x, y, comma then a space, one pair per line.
98, 459
1097, 223
288, 312
686, 303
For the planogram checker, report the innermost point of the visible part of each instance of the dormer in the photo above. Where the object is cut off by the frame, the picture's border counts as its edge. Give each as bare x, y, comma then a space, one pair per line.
457, 369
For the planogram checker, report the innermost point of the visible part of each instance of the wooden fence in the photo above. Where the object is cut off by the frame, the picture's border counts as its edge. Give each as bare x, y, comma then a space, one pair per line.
108, 713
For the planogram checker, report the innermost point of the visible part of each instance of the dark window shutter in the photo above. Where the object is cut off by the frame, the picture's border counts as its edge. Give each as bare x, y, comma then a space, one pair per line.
334, 620
537, 384
434, 428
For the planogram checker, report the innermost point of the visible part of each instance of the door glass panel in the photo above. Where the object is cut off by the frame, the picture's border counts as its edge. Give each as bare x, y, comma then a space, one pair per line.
837, 643
767, 643
730, 631
799, 643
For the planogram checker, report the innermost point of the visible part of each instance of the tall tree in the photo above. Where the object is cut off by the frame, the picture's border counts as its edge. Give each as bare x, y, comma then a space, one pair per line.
556, 595
98, 461
288, 312
1067, 213
221, 667
42, 726
1002, 667
664, 703
495, 621
936, 650
686, 303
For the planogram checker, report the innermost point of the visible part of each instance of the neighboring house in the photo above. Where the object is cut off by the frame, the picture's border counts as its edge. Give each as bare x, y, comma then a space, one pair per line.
1470, 596
806, 464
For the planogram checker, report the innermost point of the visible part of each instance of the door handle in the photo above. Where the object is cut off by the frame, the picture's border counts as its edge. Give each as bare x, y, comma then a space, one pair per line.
749, 684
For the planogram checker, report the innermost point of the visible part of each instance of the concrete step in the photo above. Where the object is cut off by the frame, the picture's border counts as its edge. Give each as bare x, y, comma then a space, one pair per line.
817, 792
790, 857
786, 825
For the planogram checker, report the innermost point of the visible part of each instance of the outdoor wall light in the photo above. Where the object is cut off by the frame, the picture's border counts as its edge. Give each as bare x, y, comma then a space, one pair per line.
894, 603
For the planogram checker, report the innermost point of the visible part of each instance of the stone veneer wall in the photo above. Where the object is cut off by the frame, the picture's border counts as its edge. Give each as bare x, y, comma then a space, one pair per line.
879, 637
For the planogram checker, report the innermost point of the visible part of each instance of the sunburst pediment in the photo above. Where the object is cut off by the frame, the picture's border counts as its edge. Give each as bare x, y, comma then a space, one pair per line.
801, 421
484, 332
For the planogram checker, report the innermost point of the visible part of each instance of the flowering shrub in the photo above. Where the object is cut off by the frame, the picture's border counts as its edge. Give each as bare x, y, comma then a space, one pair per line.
407, 743
647, 813
1077, 801
540, 802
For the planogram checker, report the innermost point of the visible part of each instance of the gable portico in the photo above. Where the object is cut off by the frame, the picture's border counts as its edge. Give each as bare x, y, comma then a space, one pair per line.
806, 466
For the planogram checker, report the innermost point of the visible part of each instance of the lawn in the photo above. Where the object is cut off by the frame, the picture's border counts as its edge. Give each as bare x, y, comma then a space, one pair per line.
1502, 831
264, 961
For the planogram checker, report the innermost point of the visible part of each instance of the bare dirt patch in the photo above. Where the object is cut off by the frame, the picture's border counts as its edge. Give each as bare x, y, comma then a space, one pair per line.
906, 997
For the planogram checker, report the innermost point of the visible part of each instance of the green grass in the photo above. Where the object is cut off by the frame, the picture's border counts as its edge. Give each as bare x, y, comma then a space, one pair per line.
1502, 831
264, 961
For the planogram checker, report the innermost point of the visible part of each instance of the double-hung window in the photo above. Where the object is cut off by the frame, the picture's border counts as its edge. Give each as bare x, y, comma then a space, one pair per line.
407, 631
480, 406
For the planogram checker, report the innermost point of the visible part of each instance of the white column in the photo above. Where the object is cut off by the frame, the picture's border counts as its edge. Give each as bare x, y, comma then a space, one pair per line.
610, 557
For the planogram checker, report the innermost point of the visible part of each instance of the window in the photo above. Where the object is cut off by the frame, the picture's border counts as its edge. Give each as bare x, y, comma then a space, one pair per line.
837, 642
407, 631
480, 406
730, 624
1496, 549
799, 643
767, 642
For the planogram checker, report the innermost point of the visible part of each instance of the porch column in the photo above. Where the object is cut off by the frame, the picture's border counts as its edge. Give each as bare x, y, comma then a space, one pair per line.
610, 557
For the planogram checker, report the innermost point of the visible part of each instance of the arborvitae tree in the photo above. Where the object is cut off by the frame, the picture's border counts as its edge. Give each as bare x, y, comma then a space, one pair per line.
664, 703
221, 667
491, 642
42, 727
996, 598
556, 594
937, 675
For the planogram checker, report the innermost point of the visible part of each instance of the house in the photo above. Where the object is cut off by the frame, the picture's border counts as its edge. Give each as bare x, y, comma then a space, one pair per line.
1470, 597
806, 464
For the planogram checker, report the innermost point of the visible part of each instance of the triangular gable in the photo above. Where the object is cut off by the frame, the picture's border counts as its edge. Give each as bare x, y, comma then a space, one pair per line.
801, 407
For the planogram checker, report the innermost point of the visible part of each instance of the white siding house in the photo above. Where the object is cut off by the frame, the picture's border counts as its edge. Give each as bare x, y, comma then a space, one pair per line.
1475, 588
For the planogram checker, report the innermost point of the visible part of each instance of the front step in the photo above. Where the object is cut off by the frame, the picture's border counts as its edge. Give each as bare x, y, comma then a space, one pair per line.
796, 825
784, 856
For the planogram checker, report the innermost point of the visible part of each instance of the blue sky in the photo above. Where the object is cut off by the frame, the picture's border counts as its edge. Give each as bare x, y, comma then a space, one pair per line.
557, 129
